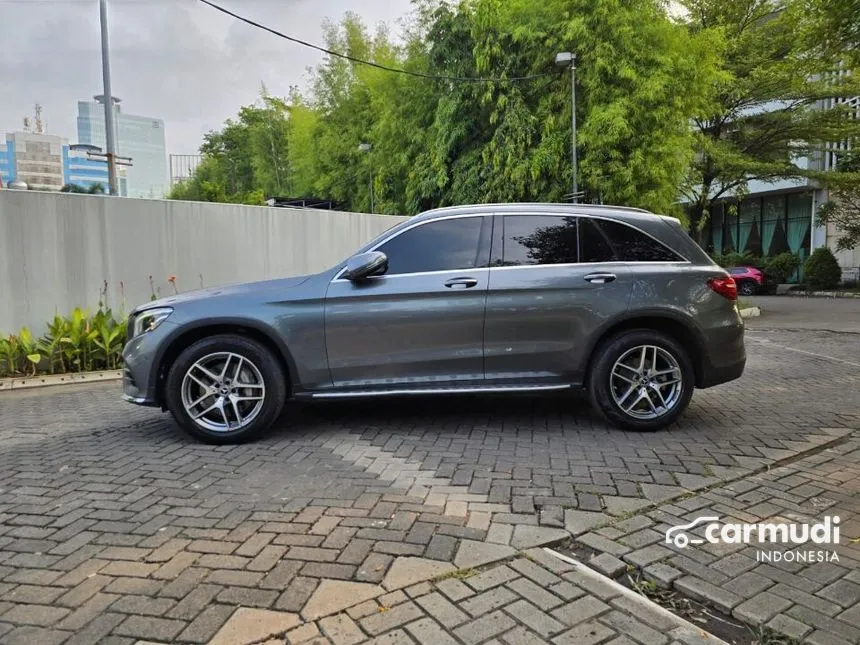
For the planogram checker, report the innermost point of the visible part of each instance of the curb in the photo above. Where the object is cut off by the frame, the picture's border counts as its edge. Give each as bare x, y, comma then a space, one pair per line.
823, 294
7, 384
637, 598
750, 312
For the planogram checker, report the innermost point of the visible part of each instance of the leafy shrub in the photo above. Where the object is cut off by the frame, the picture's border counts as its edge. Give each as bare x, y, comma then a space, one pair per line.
729, 260
822, 270
79, 343
779, 268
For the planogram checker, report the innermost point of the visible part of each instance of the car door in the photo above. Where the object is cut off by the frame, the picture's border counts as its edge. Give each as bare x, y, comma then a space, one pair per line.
554, 280
421, 323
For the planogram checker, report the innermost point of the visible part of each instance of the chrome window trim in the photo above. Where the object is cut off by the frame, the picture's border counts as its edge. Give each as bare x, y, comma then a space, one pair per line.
409, 228
573, 213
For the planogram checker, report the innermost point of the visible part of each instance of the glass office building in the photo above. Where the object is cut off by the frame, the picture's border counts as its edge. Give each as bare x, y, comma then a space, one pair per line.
139, 137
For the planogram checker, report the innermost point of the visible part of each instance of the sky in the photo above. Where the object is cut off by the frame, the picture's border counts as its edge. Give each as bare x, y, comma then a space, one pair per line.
178, 60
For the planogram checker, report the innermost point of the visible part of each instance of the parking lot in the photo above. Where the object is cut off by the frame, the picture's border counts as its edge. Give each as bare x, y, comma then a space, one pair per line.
115, 526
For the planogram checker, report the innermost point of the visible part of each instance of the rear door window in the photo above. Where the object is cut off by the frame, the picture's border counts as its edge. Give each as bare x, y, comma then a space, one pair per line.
539, 239
632, 245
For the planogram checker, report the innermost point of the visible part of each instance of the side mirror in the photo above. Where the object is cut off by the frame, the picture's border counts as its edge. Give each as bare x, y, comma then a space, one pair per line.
366, 265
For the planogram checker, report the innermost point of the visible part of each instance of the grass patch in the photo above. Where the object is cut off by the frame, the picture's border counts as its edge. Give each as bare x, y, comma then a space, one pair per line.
459, 574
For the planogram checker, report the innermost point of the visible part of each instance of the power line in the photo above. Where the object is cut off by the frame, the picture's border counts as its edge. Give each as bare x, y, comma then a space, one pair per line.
396, 70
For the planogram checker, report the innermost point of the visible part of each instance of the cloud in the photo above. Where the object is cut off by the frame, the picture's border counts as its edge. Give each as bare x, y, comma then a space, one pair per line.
174, 59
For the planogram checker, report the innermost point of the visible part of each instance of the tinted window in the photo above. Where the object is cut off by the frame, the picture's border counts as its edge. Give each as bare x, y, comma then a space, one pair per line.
446, 245
593, 245
737, 271
539, 239
632, 245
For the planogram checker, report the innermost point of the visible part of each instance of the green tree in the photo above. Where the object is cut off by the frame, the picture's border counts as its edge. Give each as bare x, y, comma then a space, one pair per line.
842, 210
765, 117
92, 189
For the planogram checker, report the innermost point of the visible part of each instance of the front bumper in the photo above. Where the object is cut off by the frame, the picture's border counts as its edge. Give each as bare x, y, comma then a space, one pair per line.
141, 357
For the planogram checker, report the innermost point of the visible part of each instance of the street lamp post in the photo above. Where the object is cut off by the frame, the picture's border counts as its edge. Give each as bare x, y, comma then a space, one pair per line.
110, 135
568, 59
366, 147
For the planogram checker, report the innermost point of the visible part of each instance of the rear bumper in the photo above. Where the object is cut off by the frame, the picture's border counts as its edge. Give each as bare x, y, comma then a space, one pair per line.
712, 376
725, 357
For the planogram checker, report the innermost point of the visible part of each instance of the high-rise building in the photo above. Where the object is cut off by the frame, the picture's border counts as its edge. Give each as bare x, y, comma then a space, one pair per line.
138, 137
33, 157
83, 171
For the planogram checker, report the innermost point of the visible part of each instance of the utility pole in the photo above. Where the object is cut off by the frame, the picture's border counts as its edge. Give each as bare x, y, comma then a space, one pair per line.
366, 147
565, 59
110, 134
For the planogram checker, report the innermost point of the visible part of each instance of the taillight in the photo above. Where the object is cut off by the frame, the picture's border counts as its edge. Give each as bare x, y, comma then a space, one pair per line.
726, 287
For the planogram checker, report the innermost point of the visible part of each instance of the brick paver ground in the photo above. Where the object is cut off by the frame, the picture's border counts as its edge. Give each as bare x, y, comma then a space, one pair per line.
116, 528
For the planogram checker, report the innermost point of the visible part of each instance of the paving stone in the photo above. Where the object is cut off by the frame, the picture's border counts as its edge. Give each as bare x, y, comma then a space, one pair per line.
534, 572
333, 596
580, 610
625, 624
252, 625
527, 537
296, 594
373, 568
607, 564
487, 601
204, 627
391, 599
492, 578
500, 533
820, 637
748, 584
587, 633
475, 554
395, 617
454, 589
706, 592
245, 597
442, 609
595, 584
302, 634
601, 543
534, 593
789, 626
761, 608
95, 630
162, 629
484, 627
644, 557
406, 571
841, 592
428, 632
86, 612
41, 615
30, 635
535, 619
196, 601
578, 522
521, 636
661, 574
143, 605
341, 630
397, 637
421, 589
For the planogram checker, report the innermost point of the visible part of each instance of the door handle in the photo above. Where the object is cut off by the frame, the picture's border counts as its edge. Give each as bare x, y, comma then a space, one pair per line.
600, 278
461, 283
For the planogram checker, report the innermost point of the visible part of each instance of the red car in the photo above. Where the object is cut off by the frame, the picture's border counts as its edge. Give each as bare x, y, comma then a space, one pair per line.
750, 280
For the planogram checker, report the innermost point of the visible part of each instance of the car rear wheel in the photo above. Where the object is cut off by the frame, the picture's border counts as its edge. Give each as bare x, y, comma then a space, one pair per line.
747, 288
641, 380
225, 389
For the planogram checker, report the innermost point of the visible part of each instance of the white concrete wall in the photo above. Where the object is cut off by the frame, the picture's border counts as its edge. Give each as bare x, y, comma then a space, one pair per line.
56, 250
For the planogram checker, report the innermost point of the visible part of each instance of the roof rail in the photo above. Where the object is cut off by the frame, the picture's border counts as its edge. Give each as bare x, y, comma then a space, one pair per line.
595, 206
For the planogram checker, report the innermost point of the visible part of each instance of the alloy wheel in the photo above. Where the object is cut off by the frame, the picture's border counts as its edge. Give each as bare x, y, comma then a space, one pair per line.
223, 392
646, 382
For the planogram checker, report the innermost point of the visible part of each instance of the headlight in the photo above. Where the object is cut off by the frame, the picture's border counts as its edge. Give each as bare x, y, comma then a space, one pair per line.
150, 319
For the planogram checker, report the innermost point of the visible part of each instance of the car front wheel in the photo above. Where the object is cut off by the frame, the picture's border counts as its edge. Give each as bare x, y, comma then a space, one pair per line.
225, 389
641, 380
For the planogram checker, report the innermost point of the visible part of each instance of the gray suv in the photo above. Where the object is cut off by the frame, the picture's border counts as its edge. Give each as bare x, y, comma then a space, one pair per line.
472, 299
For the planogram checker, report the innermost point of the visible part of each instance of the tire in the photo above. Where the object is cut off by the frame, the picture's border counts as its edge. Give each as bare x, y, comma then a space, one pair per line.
243, 409
607, 384
748, 288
